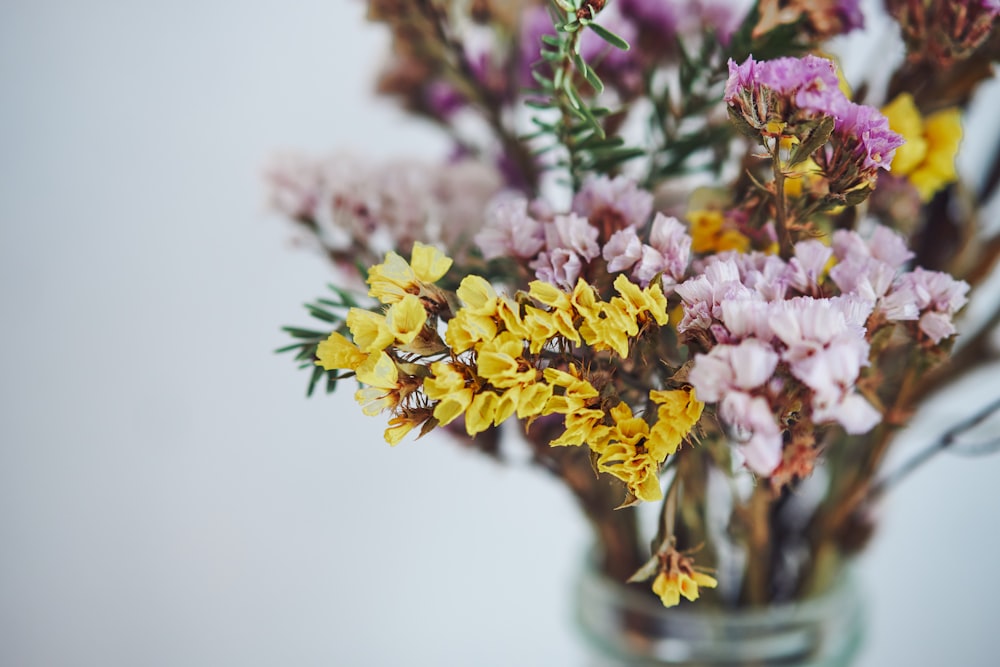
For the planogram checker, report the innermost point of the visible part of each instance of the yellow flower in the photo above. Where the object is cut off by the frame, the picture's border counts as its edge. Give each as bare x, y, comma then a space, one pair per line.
577, 393
670, 587
500, 361
429, 264
468, 329
337, 352
633, 465
676, 415
398, 428
378, 371
477, 295
479, 416
394, 278
370, 331
640, 301
406, 318
532, 399
447, 385
709, 233
677, 577
584, 426
927, 158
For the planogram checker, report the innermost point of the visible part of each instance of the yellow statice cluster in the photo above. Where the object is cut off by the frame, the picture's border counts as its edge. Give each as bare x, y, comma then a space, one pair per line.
678, 577
927, 159
382, 342
633, 451
502, 356
711, 233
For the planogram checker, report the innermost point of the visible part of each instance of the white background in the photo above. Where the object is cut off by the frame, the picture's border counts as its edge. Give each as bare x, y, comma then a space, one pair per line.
167, 495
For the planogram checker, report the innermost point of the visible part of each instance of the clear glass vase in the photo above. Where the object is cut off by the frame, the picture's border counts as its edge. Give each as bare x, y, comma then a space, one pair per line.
626, 627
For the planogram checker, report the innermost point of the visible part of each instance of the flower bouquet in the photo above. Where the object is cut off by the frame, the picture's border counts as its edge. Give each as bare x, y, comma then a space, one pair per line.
678, 254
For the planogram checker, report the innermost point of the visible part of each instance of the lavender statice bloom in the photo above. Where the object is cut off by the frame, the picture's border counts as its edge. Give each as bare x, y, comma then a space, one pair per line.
825, 350
669, 251
572, 232
937, 296
559, 267
348, 201
617, 202
509, 231
742, 367
723, 17
805, 268
294, 182
729, 375
704, 294
569, 242
535, 22
622, 250
752, 425
875, 143
742, 78
850, 14
810, 81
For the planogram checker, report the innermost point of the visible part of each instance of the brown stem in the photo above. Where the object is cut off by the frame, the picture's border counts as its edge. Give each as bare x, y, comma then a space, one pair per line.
780, 216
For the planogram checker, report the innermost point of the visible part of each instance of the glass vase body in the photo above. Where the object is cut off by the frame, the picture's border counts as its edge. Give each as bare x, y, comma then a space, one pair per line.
625, 626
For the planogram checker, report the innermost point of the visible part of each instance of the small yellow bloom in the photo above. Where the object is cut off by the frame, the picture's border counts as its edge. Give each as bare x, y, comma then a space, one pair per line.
679, 578
500, 361
337, 352
379, 370
481, 412
584, 427
394, 278
448, 385
406, 318
477, 295
398, 428
370, 330
548, 294
429, 264
927, 159
709, 233
677, 413
467, 329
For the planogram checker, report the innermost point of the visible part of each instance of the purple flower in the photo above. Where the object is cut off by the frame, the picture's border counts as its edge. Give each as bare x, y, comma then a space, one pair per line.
757, 435
613, 204
509, 231
668, 252
659, 16
811, 81
742, 78
622, 250
937, 296
869, 129
560, 267
572, 232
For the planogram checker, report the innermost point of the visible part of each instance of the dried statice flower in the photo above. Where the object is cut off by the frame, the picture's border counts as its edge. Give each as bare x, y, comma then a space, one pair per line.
613, 204
509, 230
942, 33
819, 19
353, 204
570, 242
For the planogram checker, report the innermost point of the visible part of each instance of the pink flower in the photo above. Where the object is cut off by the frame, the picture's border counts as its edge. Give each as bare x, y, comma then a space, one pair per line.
622, 250
509, 231
757, 435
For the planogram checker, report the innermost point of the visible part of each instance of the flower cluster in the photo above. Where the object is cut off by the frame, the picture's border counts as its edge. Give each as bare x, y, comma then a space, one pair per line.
777, 310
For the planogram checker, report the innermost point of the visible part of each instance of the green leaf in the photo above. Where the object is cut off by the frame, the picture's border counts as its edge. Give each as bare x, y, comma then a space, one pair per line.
313, 379
812, 142
610, 37
594, 80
